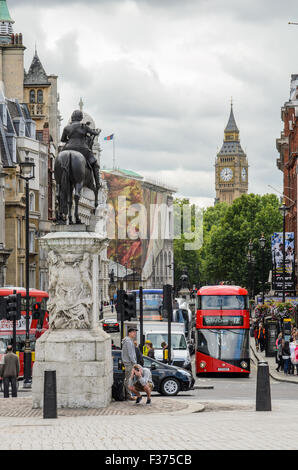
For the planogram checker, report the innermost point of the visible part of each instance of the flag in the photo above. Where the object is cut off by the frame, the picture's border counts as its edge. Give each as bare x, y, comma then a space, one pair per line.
109, 137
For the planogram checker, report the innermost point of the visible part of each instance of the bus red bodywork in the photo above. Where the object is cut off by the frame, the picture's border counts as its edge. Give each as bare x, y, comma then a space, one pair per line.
37, 325
222, 326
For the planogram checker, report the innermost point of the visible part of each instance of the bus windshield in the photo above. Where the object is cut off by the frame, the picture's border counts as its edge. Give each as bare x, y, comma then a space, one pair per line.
177, 340
224, 344
152, 305
223, 302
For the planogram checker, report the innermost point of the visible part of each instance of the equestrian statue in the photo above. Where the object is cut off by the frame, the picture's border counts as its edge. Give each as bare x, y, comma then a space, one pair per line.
75, 168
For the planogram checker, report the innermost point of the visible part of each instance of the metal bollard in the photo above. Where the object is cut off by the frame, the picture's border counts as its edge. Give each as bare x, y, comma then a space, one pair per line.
50, 395
263, 397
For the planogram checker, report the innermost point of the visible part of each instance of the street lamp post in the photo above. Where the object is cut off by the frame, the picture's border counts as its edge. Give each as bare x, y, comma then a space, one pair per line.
263, 244
283, 209
133, 273
27, 173
249, 259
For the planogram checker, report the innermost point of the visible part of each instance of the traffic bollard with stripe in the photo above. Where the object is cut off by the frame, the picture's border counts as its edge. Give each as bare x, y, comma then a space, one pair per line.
263, 396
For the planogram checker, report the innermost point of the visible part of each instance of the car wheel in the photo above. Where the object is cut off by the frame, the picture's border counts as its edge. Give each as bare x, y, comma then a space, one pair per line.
170, 387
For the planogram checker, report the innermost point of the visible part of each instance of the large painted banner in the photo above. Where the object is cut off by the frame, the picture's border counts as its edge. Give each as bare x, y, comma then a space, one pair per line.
277, 262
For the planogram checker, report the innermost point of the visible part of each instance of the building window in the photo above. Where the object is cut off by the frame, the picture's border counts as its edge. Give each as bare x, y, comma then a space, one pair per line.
32, 202
31, 241
32, 96
32, 275
40, 97
21, 275
19, 223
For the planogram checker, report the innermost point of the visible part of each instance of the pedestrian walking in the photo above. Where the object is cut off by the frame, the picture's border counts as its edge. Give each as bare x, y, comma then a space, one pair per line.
138, 354
129, 357
10, 372
261, 337
165, 352
141, 381
256, 336
286, 355
294, 352
146, 348
151, 352
278, 352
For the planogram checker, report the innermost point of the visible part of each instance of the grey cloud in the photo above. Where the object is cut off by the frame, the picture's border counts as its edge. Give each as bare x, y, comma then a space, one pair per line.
247, 11
160, 127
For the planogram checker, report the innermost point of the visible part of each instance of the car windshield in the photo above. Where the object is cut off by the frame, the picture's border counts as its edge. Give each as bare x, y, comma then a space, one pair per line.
177, 340
148, 363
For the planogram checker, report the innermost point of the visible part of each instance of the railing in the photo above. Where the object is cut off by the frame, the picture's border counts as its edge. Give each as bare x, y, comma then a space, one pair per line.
36, 109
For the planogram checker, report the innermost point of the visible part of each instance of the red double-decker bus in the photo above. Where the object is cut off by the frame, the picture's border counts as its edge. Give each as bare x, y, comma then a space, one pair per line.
222, 324
39, 322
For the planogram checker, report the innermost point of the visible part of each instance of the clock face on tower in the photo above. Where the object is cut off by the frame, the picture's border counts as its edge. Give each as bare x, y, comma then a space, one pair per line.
243, 174
226, 174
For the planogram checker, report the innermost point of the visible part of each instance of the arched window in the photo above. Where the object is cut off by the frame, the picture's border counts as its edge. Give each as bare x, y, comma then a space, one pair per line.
32, 202
40, 97
32, 96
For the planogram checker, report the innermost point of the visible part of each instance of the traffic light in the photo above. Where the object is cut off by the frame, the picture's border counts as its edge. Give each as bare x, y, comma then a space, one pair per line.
167, 303
3, 308
119, 303
36, 311
130, 306
14, 307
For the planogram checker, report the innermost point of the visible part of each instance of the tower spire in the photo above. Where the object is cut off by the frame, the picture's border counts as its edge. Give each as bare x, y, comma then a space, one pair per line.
4, 12
232, 126
6, 22
81, 104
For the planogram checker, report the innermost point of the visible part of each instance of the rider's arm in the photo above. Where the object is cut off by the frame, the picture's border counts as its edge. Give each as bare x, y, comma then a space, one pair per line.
91, 131
64, 137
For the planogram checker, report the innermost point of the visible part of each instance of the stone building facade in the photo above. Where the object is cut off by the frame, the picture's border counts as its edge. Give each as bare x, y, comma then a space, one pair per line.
231, 166
287, 147
21, 136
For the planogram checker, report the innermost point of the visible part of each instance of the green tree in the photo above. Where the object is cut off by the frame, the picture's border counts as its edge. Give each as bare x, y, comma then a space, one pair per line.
188, 259
227, 232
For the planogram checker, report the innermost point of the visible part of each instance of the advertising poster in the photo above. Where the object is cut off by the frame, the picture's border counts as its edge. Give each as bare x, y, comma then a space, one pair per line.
277, 262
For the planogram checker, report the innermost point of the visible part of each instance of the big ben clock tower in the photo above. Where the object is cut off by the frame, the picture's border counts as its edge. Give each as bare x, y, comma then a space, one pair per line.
231, 167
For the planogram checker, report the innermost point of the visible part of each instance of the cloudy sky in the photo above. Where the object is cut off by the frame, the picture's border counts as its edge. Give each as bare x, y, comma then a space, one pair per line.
160, 75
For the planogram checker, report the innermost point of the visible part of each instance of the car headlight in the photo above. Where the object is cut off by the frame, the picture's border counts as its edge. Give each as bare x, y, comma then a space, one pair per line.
184, 372
244, 365
186, 362
203, 364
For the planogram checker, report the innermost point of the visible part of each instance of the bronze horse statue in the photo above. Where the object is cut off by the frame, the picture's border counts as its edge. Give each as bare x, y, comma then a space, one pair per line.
75, 168
72, 173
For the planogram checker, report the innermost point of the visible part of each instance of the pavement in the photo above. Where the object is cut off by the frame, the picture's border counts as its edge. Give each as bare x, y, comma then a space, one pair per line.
168, 424
279, 376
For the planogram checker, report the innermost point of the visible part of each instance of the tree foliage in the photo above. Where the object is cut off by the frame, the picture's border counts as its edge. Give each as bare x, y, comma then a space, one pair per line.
227, 232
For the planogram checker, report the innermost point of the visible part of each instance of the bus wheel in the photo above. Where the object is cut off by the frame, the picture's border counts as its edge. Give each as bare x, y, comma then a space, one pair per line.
170, 387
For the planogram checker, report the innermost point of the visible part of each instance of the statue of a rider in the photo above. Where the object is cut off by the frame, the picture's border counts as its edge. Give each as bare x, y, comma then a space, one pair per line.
78, 136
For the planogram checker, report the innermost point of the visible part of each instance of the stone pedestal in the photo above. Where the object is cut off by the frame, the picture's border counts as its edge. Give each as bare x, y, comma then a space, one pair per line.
184, 293
75, 346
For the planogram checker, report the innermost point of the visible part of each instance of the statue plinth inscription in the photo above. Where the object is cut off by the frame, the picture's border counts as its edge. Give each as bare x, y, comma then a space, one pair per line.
75, 346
